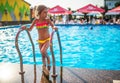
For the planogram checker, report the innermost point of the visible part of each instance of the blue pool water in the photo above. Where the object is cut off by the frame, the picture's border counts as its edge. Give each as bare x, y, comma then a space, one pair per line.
98, 48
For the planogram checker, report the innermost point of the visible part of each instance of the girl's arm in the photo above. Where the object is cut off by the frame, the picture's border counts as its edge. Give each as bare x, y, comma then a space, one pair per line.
31, 27
51, 24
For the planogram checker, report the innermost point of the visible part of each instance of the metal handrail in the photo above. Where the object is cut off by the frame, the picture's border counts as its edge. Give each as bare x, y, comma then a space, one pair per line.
20, 55
60, 47
52, 52
61, 74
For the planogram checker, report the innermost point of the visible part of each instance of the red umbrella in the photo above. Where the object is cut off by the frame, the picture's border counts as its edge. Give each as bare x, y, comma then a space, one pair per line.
90, 8
117, 9
58, 10
114, 11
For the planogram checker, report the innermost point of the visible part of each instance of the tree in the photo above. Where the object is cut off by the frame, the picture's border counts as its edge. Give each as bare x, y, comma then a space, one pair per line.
117, 4
69, 16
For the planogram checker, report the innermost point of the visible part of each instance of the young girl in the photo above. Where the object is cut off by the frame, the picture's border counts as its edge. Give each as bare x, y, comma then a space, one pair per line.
41, 21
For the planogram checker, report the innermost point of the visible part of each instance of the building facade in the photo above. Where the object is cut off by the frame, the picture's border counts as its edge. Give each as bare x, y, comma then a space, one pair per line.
14, 11
111, 3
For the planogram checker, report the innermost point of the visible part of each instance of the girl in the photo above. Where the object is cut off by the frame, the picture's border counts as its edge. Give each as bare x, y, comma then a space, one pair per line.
41, 21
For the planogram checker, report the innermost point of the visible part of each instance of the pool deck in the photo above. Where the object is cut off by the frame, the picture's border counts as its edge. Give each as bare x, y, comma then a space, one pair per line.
9, 73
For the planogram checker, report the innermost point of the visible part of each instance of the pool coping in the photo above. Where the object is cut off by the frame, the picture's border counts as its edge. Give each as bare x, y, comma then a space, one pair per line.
18, 26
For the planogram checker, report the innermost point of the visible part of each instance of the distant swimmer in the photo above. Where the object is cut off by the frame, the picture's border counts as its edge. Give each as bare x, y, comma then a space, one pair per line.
91, 28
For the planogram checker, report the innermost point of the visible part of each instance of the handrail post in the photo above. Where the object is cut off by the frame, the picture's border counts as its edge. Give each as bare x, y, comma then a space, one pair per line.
20, 55
60, 47
53, 58
52, 52
34, 58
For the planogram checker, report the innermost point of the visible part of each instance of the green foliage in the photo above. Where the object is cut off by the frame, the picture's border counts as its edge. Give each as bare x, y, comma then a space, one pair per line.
106, 8
69, 9
70, 17
117, 4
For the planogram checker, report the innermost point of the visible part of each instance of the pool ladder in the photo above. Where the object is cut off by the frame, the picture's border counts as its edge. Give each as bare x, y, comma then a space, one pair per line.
54, 75
20, 56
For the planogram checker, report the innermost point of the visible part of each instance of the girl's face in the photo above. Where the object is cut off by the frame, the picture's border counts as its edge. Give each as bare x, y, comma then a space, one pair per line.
43, 14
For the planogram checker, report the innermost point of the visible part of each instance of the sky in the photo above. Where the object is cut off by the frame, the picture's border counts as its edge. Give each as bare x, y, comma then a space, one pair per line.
73, 4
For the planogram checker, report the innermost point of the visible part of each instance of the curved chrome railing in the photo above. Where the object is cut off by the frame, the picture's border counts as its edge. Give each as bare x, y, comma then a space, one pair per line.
33, 48
20, 55
52, 52
60, 47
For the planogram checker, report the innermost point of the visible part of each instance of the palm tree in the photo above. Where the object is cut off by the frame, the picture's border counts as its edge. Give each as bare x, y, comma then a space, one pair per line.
105, 6
69, 16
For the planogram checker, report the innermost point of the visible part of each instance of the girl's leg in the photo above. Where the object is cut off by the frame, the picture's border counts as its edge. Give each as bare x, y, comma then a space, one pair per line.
48, 61
43, 55
44, 48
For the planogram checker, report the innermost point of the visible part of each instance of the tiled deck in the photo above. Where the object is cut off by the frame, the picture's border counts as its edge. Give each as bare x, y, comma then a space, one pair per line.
9, 73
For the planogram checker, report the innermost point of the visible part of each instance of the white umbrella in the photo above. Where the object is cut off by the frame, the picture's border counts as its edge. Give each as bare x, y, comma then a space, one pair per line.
112, 13
78, 14
95, 13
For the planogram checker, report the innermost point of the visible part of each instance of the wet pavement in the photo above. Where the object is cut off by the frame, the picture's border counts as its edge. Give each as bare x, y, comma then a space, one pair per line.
9, 73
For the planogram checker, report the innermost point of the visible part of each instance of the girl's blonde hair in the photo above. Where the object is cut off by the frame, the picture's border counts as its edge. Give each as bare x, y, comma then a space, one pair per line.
39, 9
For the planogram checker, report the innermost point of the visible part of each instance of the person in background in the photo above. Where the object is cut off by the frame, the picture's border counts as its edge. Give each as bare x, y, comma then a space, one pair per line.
0, 24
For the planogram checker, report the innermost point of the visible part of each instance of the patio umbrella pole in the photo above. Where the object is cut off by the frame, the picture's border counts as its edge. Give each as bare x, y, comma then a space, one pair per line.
21, 59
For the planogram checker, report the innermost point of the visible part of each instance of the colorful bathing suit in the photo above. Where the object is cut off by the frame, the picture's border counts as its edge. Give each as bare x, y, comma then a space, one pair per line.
43, 41
41, 26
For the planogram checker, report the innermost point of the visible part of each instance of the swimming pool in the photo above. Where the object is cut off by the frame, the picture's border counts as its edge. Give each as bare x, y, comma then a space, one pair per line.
82, 47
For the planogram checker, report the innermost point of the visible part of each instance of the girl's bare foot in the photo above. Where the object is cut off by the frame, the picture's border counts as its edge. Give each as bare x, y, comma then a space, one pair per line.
46, 71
